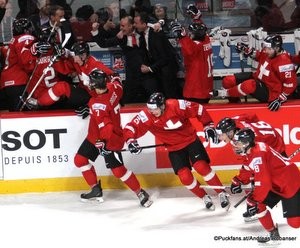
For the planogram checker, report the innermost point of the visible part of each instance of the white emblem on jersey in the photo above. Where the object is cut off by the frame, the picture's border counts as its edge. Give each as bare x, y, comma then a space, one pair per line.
171, 125
99, 106
263, 71
143, 117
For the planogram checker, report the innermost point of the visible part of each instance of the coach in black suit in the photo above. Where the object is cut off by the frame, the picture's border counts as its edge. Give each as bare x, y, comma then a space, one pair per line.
138, 86
56, 14
159, 56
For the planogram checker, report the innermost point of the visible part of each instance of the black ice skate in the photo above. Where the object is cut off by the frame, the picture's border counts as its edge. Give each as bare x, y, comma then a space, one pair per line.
224, 200
94, 195
144, 198
208, 203
248, 218
273, 238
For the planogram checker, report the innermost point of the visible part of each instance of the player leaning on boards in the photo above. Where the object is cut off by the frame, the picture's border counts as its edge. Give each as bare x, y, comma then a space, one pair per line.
105, 137
169, 121
276, 179
264, 132
272, 82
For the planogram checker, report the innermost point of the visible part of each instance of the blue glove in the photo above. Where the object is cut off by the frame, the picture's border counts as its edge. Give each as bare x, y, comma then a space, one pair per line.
236, 186
252, 206
275, 104
102, 150
134, 147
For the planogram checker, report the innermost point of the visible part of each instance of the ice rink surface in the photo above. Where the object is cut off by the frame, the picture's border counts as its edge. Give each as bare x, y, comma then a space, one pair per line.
176, 219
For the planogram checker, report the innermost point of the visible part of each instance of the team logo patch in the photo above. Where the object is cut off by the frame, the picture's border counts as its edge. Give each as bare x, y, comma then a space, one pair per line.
99, 106
143, 117
284, 68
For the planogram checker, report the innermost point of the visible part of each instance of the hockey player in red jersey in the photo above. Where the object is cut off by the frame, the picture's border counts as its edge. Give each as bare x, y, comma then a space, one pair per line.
197, 56
276, 179
82, 63
105, 137
169, 121
14, 75
264, 132
273, 81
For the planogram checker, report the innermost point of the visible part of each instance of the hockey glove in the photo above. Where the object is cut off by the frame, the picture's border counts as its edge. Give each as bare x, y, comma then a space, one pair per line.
244, 48
40, 48
116, 77
82, 111
59, 51
252, 206
192, 10
101, 147
134, 147
177, 29
210, 132
275, 104
236, 186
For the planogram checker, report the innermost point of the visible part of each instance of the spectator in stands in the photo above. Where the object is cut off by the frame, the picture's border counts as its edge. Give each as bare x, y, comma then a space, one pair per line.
105, 28
40, 19
6, 21
3, 4
273, 81
105, 137
159, 56
82, 25
27, 8
160, 13
269, 16
141, 6
63, 3
295, 17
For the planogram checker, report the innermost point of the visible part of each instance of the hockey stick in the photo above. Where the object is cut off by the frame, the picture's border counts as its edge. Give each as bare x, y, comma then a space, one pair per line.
294, 153
248, 186
52, 60
242, 200
34, 69
143, 147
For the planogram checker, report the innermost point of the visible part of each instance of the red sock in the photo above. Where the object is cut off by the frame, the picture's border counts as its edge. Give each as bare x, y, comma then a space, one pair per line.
128, 177
189, 181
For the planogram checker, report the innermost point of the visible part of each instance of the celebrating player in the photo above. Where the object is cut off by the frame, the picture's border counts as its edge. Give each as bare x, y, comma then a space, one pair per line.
169, 121
105, 137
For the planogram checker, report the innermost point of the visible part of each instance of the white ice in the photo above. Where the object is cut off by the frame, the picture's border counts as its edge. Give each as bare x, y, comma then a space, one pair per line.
176, 219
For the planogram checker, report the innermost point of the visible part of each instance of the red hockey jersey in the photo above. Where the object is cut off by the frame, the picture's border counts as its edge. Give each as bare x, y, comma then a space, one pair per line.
173, 127
272, 172
263, 131
278, 74
14, 72
197, 57
105, 119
